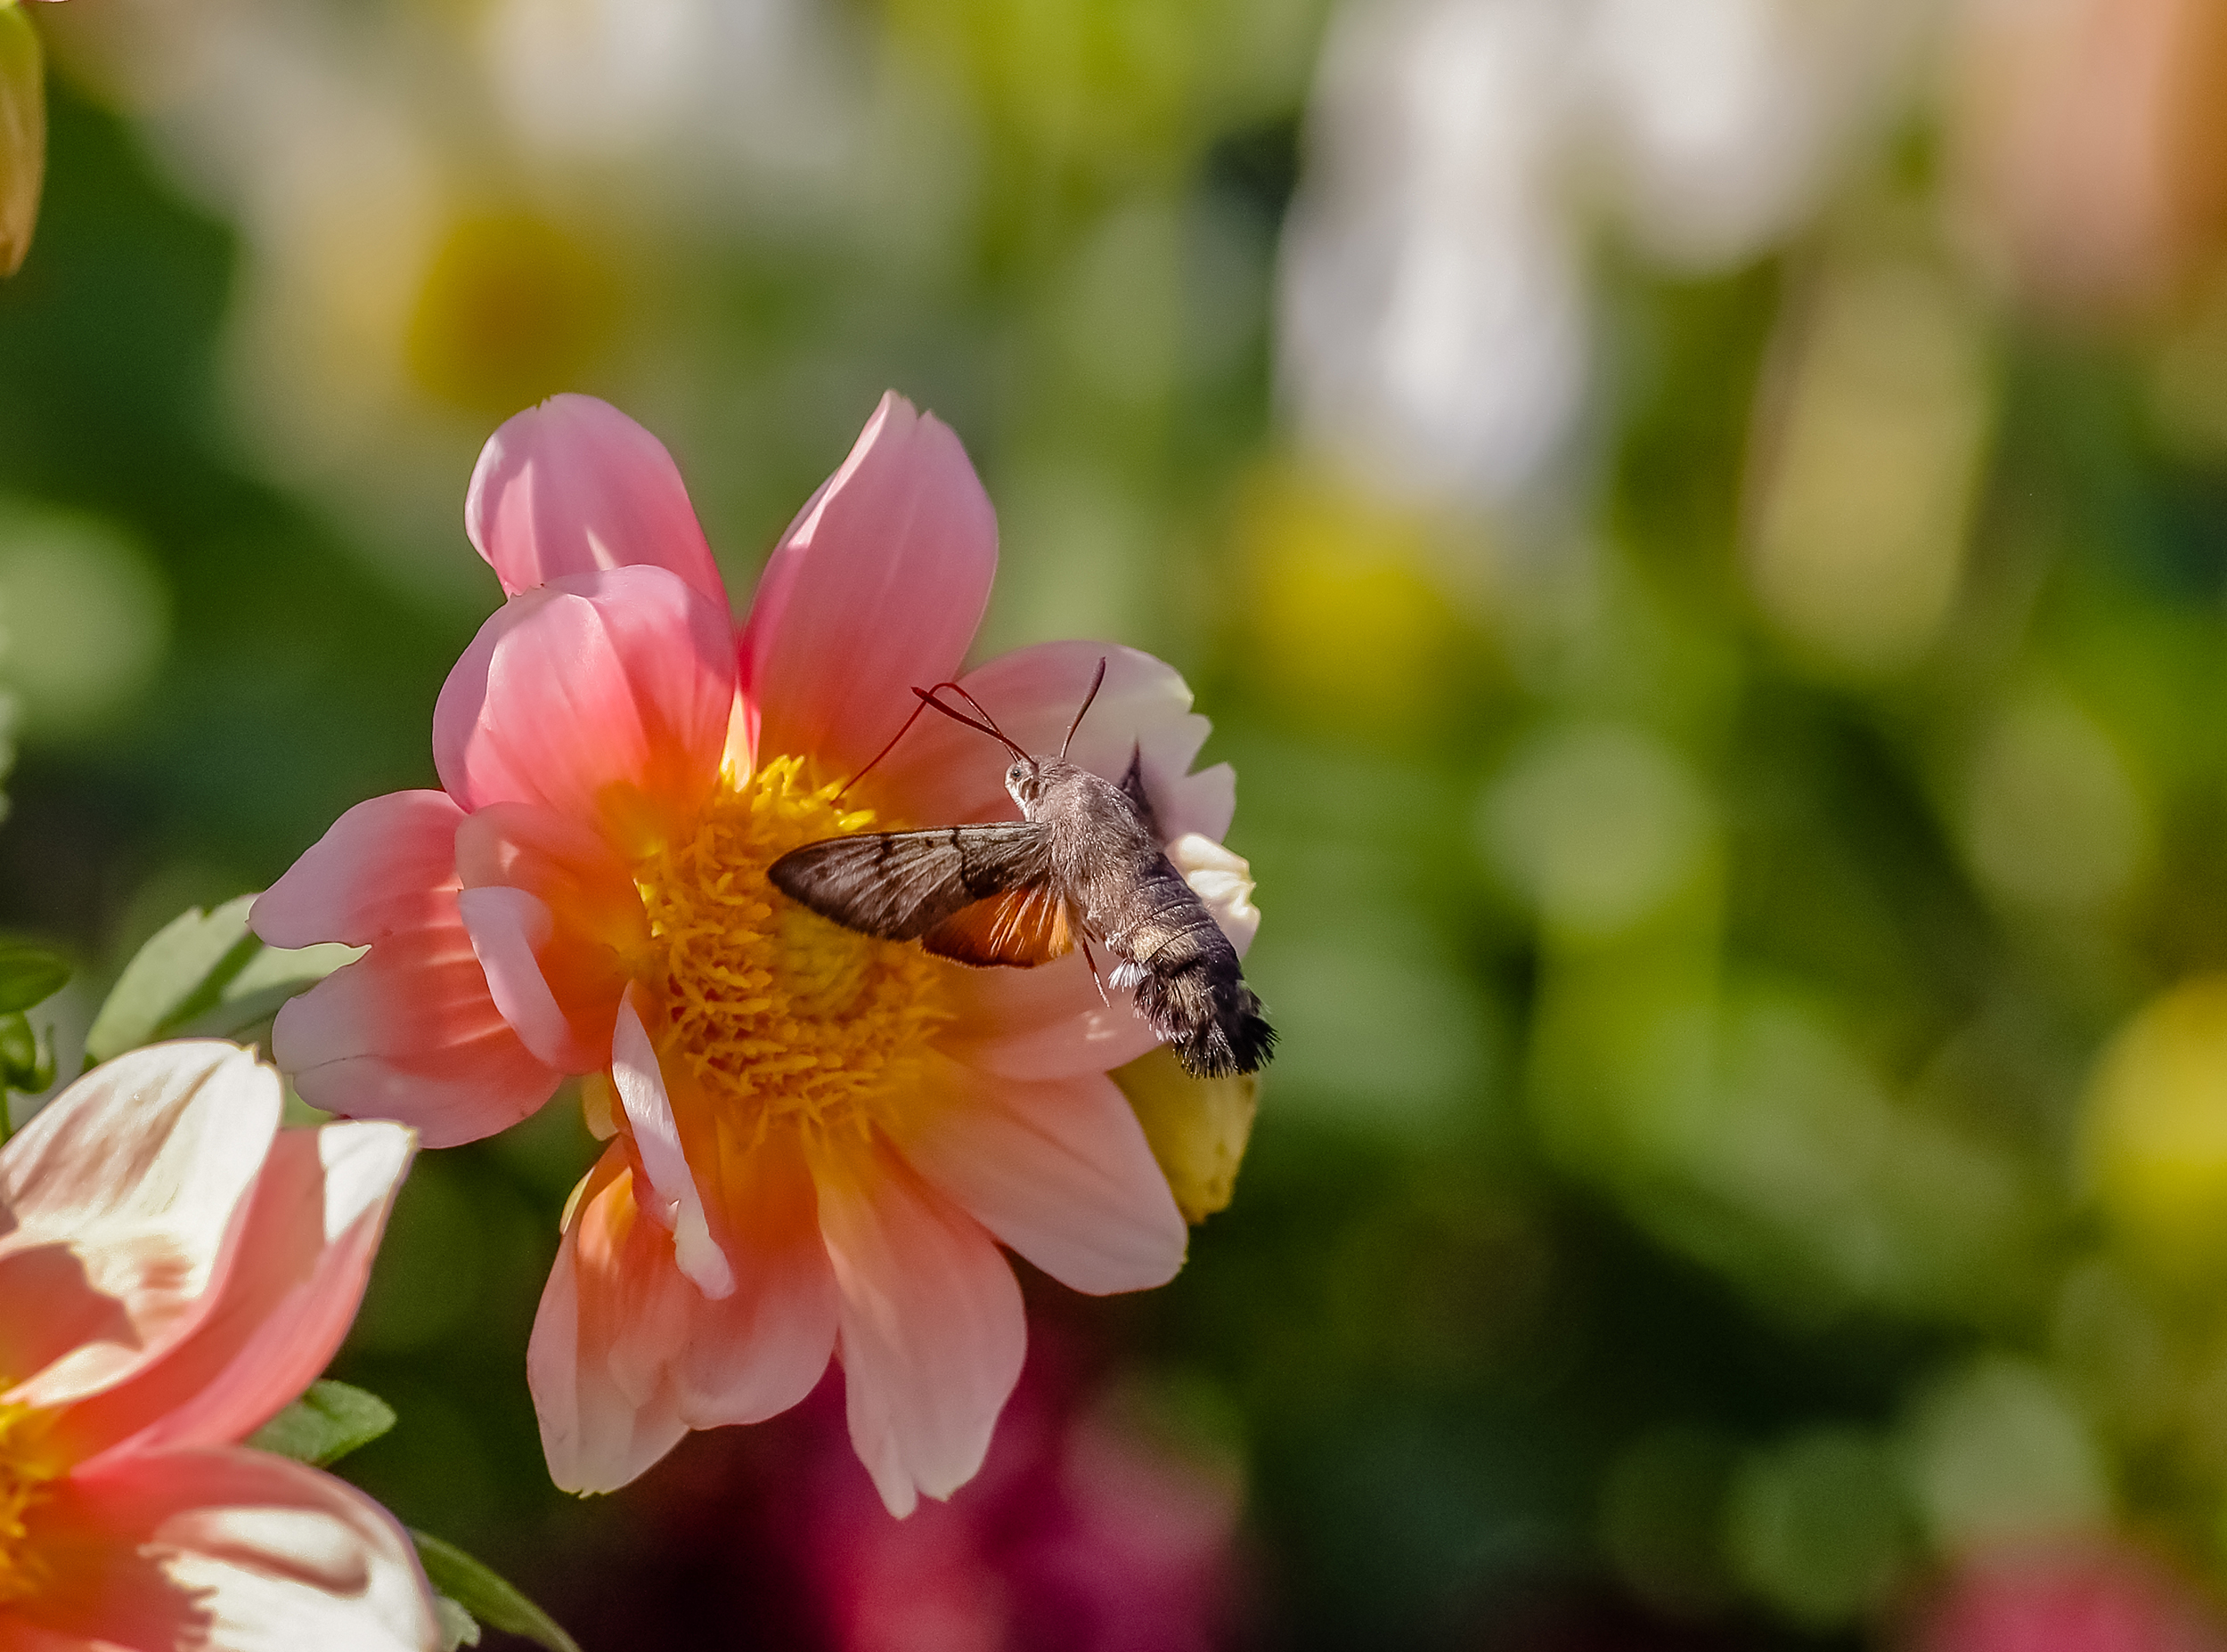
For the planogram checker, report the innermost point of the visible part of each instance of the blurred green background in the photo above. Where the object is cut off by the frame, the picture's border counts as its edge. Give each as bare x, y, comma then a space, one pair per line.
1702, 526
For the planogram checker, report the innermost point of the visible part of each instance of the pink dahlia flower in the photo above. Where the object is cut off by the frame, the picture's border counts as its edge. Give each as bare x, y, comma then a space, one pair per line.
174, 1269
819, 1140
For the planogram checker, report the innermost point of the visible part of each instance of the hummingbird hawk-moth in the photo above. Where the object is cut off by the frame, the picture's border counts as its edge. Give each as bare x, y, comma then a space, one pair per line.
1084, 863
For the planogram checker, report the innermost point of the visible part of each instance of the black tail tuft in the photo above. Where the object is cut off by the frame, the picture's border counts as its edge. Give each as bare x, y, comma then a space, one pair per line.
1212, 1020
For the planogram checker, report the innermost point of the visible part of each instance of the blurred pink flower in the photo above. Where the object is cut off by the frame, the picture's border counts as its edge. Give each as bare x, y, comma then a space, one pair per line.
829, 1134
1086, 1531
2086, 1598
175, 1269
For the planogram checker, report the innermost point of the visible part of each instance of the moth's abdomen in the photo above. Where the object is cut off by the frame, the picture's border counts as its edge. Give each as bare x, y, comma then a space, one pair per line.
1189, 986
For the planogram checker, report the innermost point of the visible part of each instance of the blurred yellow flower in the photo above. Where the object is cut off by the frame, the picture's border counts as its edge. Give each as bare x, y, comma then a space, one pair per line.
2156, 1130
512, 310
1354, 624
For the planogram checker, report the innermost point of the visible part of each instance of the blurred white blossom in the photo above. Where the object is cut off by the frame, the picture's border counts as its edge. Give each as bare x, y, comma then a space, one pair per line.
1464, 154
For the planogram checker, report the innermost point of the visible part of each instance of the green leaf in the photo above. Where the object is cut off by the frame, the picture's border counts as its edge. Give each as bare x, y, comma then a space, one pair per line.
204, 976
487, 1597
27, 1060
28, 976
270, 976
325, 1424
181, 971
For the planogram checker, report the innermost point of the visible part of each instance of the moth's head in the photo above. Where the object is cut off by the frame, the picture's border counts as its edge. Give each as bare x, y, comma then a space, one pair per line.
1025, 781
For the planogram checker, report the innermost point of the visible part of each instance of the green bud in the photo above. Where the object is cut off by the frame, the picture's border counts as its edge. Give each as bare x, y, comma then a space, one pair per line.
1196, 1128
23, 134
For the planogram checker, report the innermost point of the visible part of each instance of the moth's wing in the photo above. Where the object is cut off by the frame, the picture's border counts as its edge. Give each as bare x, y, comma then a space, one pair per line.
1023, 927
1133, 788
900, 885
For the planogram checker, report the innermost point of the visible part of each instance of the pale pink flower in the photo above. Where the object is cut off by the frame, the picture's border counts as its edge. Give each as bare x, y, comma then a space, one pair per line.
175, 1269
829, 1135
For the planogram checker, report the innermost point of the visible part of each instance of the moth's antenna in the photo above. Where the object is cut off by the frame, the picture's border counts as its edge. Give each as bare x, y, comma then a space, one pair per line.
927, 697
885, 752
1096, 683
978, 705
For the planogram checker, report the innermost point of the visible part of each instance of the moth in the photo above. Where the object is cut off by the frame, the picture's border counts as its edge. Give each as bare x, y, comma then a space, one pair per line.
1085, 863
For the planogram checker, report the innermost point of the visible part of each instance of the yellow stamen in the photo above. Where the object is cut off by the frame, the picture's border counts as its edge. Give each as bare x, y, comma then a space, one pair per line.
27, 1468
783, 1017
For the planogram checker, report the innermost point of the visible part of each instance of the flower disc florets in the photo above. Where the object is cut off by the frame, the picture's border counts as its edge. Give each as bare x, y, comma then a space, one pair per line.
24, 1478
783, 1017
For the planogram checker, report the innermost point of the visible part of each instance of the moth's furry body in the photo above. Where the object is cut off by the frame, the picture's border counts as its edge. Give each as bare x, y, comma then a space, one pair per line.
1106, 863
1085, 860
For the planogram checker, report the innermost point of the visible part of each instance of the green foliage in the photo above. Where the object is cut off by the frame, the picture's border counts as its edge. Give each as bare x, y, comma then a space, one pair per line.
204, 975
327, 1423
26, 1061
487, 1597
28, 976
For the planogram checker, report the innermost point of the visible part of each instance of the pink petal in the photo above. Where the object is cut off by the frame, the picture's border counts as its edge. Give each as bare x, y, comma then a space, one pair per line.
409, 1032
1041, 1023
284, 1306
574, 485
943, 772
509, 929
230, 1549
932, 1328
1060, 1171
571, 869
880, 584
613, 1316
116, 1207
378, 870
604, 696
761, 1350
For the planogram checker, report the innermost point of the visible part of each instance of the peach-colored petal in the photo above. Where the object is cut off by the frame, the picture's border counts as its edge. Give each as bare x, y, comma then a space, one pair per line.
604, 696
942, 772
379, 869
1042, 1023
673, 1197
1060, 1171
612, 1317
226, 1549
932, 1328
763, 1349
569, 868
116, 1207
899, 547
574, 485
289, 1297
510, 929
409, 1032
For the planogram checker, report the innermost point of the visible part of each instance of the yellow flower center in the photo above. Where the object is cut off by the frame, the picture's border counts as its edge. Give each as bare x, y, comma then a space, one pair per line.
784, 1017
26, 1470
